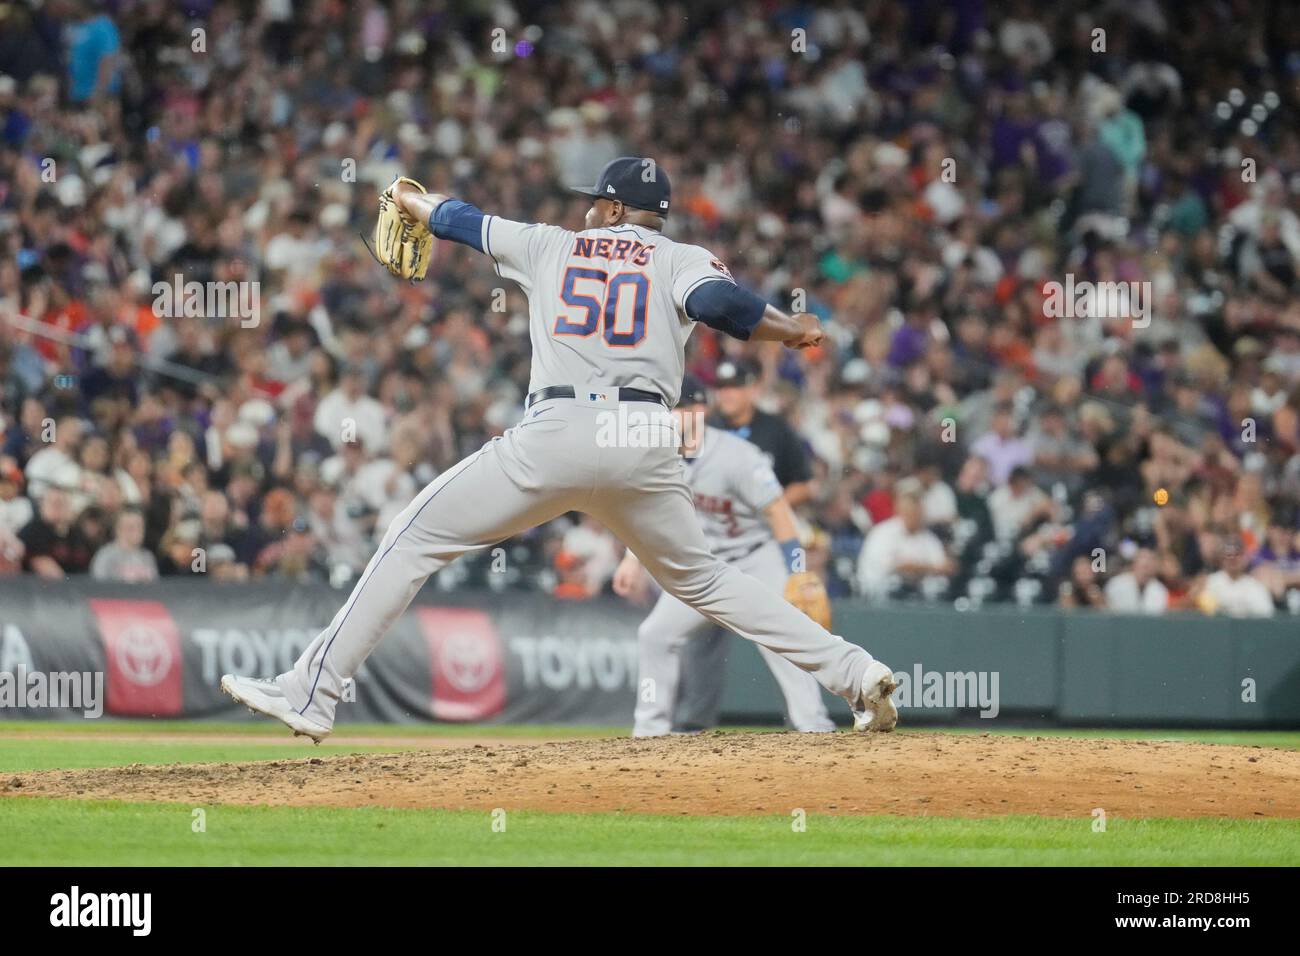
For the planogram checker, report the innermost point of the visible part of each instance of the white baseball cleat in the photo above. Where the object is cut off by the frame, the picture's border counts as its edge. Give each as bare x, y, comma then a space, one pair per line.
266, 697
875, 709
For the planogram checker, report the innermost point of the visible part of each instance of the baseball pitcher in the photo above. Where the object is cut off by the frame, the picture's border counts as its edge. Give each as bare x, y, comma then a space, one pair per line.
747, 523
610, 310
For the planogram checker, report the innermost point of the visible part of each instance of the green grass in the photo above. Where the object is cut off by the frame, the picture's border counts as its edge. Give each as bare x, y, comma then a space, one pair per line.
262, 727
19, 755
81, 833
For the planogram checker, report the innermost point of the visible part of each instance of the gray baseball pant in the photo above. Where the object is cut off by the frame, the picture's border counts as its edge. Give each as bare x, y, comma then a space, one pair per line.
703, 681
553, 462
672, 626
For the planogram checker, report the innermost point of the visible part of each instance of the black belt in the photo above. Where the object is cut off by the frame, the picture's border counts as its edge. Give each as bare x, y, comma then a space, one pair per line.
625, 394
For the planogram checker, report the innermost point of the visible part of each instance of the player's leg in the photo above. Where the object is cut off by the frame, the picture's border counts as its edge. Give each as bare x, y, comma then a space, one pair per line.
670, 629
500, 490
704, 678
802, 693
648, 505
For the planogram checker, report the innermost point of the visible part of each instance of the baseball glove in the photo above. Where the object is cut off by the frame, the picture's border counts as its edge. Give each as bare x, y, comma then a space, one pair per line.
402, 245
806, 592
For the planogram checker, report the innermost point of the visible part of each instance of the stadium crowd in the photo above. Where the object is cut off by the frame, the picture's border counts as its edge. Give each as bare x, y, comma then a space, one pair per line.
924, 176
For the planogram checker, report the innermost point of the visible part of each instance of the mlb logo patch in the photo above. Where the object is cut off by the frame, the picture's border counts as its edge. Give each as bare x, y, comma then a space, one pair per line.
596, 395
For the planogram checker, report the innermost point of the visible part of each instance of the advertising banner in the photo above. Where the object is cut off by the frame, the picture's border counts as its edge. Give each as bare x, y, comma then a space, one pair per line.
160, 651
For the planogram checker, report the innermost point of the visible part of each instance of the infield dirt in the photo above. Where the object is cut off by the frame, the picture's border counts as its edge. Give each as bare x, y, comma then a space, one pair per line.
739, 773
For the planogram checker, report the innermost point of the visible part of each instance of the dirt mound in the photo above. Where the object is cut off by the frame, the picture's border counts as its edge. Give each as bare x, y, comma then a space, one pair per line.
940, 774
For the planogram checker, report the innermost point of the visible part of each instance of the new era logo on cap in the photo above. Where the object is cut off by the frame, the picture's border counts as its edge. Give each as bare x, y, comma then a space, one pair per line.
636, 182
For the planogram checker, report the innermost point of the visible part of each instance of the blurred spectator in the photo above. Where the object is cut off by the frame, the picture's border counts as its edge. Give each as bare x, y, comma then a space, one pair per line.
93, 44
124, 559
938, 501
348, 414
55, 463
15, 509
1138, 590
1230, 590
1018, 506
223, 566
972, 494
1277, 562
1060, 456
588, 557
54, 544
1080, 589
1002, 447
179, 550
901, 548
292, 555
15, 513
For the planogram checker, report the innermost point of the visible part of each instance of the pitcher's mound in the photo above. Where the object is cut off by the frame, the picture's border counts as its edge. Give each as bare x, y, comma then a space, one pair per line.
938, 774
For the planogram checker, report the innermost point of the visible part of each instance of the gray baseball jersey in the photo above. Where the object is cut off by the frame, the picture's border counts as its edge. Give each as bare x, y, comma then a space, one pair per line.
605, 306
732, 482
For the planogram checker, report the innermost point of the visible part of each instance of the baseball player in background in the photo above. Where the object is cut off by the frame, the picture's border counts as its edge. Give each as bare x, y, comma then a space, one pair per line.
747, 523
735, 409
610, 310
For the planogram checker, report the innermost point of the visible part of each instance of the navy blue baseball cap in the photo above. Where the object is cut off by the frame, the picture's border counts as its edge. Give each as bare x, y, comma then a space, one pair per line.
735, 372
633, 181
693, 391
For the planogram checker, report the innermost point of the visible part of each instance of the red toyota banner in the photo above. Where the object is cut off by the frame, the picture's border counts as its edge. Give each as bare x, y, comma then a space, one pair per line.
469, 677
142, 650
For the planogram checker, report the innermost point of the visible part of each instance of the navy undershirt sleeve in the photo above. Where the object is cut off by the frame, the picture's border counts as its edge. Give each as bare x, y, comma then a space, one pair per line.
459, 222
725, 306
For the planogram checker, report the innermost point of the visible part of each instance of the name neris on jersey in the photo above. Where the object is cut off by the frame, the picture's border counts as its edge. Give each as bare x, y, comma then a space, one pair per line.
592, 247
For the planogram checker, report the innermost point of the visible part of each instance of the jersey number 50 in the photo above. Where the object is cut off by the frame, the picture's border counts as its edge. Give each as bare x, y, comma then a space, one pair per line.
595, 303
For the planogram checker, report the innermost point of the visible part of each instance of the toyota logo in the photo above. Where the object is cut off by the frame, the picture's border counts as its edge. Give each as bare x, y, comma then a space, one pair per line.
468, 661
143, 655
